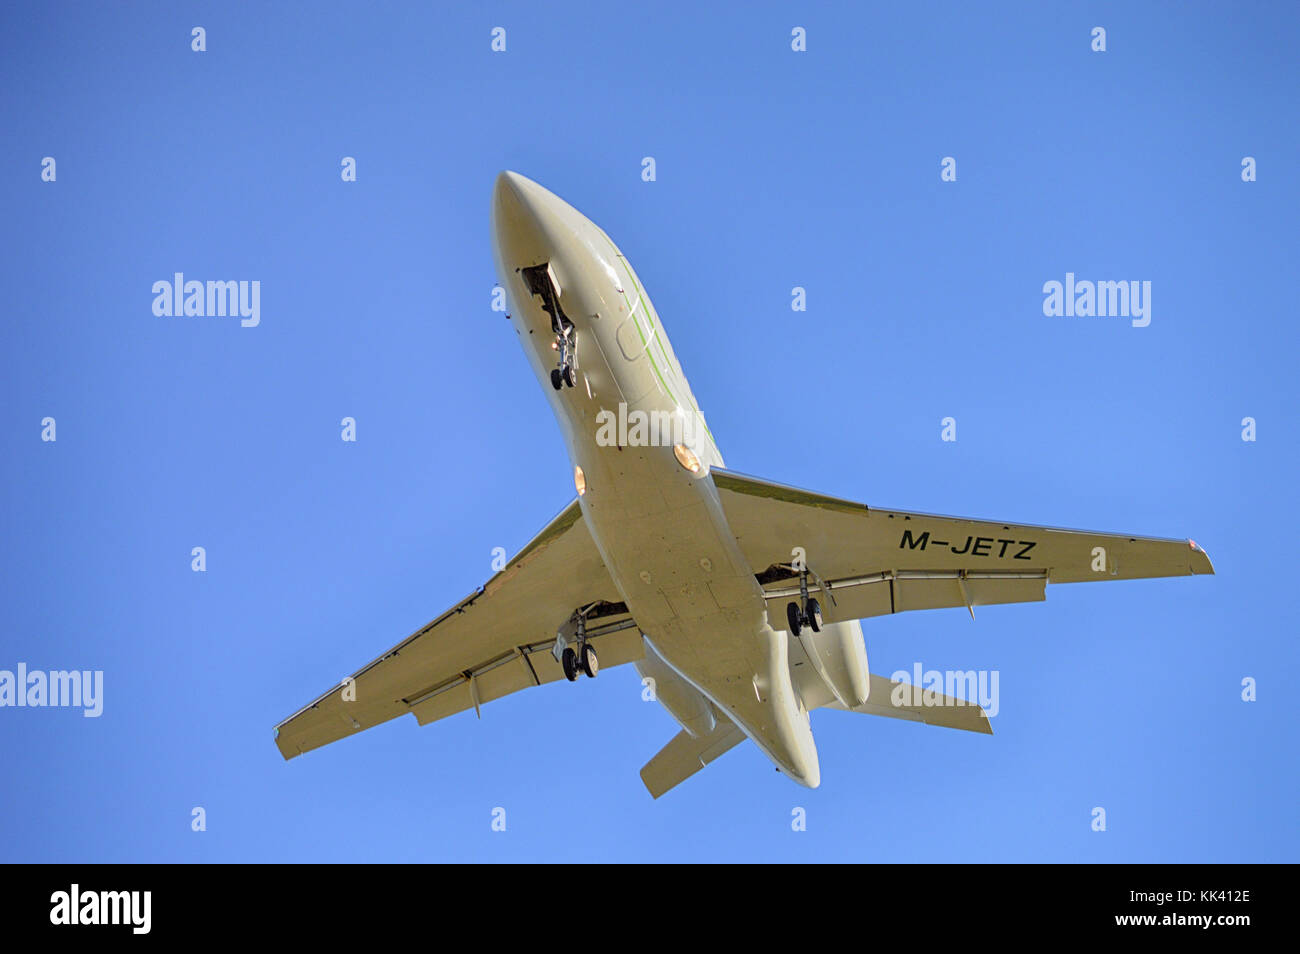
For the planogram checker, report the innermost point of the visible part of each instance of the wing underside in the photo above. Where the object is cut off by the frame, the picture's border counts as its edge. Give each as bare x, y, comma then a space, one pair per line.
874, 562
869, 562
494, 642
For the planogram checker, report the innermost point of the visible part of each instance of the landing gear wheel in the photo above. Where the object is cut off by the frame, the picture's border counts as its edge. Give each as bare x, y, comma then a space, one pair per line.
569, 661
792, 616
814, 616
590, 664
556, 379
568, 376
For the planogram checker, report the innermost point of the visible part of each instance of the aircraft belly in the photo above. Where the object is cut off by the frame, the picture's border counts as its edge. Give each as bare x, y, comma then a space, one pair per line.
660, 529
745, 672
691, 592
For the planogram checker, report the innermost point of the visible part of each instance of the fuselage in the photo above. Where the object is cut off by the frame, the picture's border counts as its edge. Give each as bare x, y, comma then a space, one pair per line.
632, 428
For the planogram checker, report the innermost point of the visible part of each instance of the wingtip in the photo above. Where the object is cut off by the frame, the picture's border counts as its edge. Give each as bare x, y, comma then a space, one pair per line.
285, 751
1201, 564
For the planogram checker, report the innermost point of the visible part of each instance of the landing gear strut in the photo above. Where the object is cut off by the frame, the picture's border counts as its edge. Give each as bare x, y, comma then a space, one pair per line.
807, 612
541, 281
566, 345
581, 659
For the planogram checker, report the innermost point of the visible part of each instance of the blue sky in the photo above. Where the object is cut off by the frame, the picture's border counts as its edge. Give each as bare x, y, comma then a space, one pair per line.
775, 169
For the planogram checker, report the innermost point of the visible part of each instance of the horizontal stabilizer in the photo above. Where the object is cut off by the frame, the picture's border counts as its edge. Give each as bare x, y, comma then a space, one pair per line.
684, 756
933, 708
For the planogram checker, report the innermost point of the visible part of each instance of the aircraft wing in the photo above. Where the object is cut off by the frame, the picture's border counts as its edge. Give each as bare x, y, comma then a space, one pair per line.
875, 562
494, 642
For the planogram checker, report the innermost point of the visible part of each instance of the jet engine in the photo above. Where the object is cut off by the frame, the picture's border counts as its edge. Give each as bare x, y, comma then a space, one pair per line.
838, 657
683, 701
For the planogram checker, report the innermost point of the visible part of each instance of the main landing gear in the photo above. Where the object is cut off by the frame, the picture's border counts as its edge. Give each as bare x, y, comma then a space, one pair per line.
581, 659
807, 612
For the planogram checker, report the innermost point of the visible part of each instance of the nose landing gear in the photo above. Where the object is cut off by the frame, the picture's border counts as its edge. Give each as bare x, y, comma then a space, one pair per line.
566, 340
541, 281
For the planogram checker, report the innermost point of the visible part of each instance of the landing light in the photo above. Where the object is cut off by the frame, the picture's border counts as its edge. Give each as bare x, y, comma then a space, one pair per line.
686, 458
580, 480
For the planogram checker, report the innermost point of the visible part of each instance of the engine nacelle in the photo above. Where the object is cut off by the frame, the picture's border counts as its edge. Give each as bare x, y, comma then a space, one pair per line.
841, 661
684, 702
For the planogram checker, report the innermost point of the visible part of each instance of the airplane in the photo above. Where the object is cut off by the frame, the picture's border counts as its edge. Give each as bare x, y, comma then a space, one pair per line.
737, 599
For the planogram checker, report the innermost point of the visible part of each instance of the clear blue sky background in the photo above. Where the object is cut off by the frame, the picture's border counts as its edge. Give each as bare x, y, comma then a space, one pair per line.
775, 169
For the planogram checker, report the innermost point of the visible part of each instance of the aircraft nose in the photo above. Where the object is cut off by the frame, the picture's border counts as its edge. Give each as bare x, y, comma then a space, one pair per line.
508, 190
527, 220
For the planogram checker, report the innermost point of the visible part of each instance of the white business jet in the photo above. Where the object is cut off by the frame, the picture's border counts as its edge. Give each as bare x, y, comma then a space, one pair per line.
737, 599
